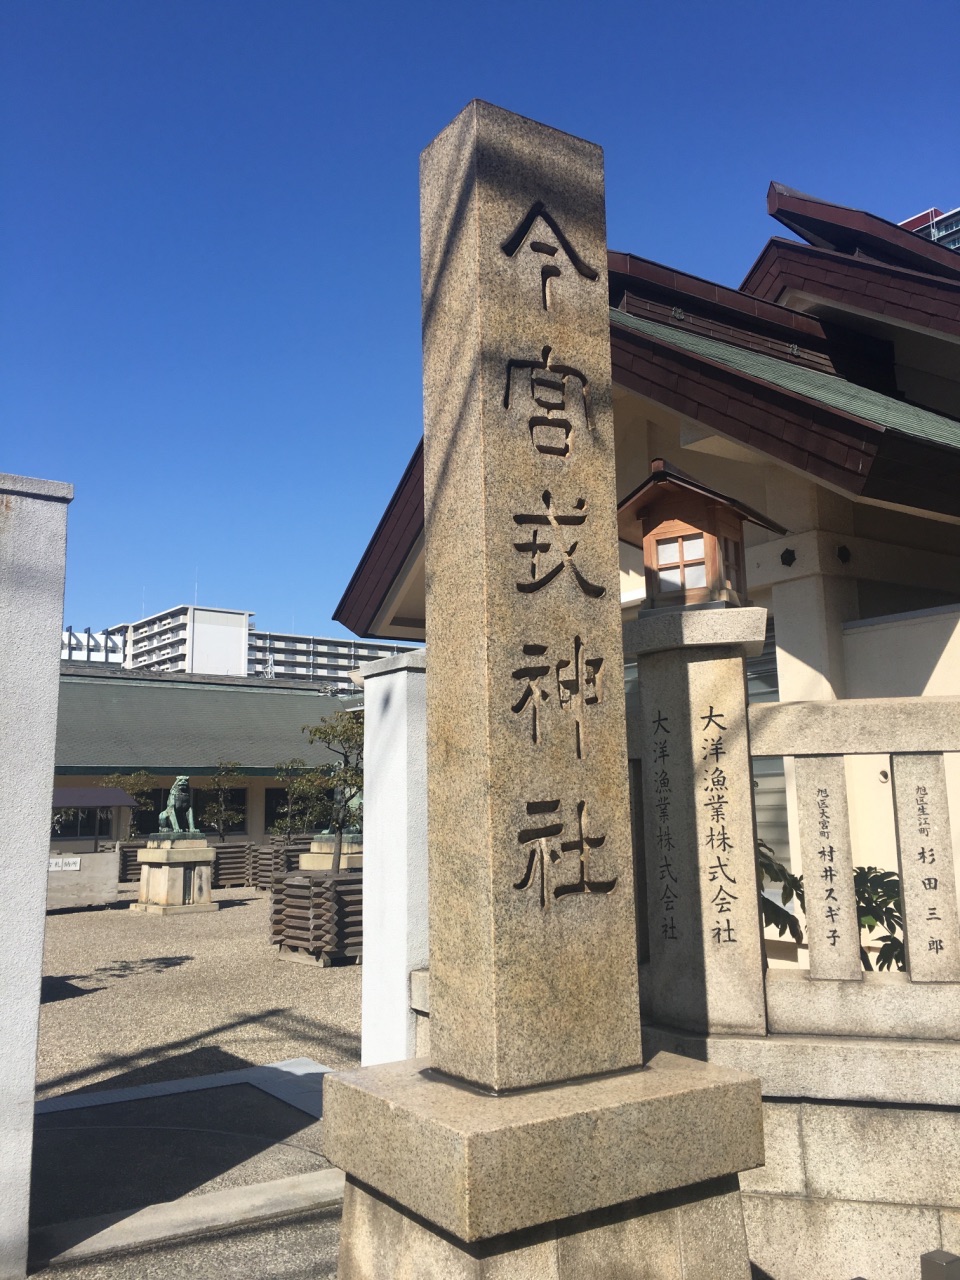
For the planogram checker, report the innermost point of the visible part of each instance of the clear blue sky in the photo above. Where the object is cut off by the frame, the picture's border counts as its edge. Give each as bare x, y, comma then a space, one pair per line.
209, 291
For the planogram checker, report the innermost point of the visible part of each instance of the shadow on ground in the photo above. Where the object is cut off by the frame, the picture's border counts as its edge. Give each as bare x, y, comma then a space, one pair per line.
64, 987
175, 1059
116, 1158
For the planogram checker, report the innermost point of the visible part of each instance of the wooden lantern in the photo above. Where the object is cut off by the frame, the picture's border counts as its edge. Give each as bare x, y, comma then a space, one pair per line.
691, 538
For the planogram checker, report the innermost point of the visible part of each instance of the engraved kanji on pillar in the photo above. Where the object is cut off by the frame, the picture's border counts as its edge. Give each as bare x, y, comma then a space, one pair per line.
533, 949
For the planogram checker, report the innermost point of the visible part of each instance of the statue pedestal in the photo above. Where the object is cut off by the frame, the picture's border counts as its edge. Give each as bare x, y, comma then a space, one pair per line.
175, 876
320, 857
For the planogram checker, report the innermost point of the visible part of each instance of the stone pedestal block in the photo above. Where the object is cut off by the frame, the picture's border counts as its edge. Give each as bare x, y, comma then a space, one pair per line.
322, 860
479, 1165
694, 1234
175, 877
320, 857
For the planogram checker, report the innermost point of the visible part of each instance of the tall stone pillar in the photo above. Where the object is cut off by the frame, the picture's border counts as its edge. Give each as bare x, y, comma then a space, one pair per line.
532, 1142
33, 544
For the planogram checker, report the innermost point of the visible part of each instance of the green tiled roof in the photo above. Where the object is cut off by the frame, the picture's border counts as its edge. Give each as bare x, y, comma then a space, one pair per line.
109, 722
896, 415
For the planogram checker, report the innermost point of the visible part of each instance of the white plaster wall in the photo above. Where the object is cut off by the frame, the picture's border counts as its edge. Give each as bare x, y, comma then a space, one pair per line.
395, 924
904, 656
33, 523
808, 614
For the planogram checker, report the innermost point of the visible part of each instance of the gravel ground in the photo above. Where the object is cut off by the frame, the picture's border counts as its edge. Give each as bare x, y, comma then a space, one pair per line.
130, 998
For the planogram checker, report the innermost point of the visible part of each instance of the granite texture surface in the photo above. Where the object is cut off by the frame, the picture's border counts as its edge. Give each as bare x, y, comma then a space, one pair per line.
795, 1239
880, 1004
950, 1231
176, 885
697, 1235
851, 726
174, 852
705, 971
478, 1165
532, 929
661, 630
920, 1163
837, 1067
782, 1172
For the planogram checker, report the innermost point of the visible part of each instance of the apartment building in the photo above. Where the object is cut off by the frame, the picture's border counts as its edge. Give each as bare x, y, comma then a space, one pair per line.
196, 640
934, 224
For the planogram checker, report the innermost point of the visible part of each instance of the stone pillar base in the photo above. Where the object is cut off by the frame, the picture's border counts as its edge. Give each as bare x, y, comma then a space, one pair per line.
696, 1233
558, 1182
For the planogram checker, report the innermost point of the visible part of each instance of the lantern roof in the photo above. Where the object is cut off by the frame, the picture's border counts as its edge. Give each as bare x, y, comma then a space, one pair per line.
665, 476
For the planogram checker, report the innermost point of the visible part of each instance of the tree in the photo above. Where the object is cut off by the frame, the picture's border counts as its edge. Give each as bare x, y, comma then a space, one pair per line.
342, 734
308, 803
140, 786
878, 903
218, 808
773, 913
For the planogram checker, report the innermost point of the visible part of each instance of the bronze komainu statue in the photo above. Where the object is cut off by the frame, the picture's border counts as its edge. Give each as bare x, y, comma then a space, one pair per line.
178, 808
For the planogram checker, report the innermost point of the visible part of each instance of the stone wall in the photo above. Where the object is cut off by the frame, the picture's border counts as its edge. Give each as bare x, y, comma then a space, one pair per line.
852, 1186
853, 1190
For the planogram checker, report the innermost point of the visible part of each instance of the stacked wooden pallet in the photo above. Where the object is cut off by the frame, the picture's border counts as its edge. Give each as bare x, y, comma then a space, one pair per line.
129, 866
292, 848
233, 865
318, 915
268, 862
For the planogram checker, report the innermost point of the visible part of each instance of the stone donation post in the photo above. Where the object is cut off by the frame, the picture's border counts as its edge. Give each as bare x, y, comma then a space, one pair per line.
706, 961
532, 1143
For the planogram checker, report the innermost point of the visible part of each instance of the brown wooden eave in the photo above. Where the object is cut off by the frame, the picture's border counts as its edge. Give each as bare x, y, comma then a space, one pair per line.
893, 294
641, 275
849, 231
392, 543
647, 289
850, 453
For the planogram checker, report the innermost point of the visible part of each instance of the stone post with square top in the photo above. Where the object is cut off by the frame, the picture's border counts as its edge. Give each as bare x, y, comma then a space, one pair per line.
705, 971
533, 1142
